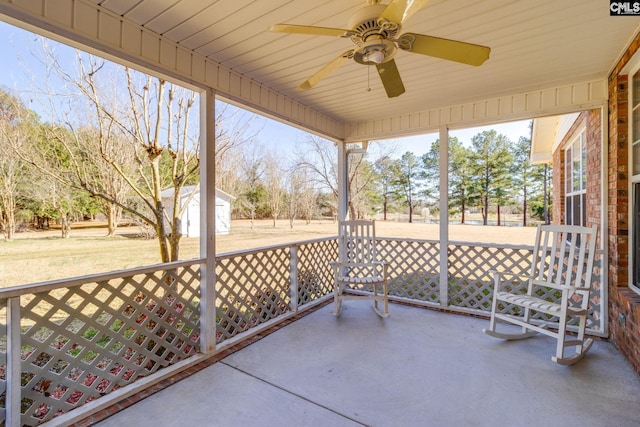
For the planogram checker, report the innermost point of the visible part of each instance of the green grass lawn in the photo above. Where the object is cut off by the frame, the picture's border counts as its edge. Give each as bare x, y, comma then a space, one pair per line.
33, 260
42, 256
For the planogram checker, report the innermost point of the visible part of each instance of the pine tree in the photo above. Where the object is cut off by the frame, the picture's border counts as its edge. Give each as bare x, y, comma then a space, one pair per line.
525, 176
491, 159
407, 180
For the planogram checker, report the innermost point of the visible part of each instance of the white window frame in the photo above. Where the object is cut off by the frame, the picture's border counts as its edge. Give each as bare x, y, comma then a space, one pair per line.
579, 141
634, 140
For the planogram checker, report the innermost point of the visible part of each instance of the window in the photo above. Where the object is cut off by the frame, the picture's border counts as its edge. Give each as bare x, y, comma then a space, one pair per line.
635, 247
634, 103
576, 180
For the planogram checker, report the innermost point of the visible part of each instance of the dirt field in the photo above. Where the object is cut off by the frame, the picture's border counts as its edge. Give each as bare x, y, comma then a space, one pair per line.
41, 256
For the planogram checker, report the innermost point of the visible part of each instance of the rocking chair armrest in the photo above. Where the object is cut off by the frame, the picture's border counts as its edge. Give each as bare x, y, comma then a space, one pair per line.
573, 288
561, 287
359, 264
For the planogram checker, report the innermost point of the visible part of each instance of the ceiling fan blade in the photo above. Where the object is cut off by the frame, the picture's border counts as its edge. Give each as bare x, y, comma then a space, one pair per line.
399, 11
451, 50
326, 70
306, 29
390, 77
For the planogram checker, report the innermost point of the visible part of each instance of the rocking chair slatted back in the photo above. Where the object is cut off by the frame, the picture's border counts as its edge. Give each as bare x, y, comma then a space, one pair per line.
358, 238
563, 256
359, 274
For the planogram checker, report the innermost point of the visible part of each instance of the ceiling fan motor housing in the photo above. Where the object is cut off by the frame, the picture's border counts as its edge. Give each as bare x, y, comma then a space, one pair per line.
372, 36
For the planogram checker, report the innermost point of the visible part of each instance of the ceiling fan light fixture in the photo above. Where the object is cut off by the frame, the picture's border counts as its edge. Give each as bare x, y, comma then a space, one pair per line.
377, 56
375, 52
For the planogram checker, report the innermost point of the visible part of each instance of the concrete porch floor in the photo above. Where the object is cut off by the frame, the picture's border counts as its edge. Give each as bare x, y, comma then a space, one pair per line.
417, 368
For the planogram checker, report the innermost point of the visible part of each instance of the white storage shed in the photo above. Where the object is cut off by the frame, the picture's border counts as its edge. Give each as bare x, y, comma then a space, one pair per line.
191, 216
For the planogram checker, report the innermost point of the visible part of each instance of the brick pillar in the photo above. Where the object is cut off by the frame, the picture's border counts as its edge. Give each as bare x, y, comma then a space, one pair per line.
618, 182
559, 190
594, 168
624, 303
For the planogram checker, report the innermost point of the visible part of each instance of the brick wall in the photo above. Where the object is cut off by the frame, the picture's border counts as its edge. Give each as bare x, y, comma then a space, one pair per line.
624, 303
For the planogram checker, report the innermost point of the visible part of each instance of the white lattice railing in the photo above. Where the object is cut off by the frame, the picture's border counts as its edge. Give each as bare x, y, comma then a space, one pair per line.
67, 344
258, 286
414, 270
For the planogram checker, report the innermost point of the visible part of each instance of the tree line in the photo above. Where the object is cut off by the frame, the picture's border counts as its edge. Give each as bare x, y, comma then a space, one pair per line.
488, 175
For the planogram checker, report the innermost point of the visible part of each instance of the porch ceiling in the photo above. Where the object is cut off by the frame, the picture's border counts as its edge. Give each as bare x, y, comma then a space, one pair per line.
535, 46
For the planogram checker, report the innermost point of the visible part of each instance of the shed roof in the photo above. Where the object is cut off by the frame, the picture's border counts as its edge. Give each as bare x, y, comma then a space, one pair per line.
188, 189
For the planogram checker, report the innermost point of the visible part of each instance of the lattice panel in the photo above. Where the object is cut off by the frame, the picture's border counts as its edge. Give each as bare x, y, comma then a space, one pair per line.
595, 319
252, 288
470, 283
83, 342
315, 276
413, 268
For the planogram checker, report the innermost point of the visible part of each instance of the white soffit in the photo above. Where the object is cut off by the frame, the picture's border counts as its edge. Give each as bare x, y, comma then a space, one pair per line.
548, 133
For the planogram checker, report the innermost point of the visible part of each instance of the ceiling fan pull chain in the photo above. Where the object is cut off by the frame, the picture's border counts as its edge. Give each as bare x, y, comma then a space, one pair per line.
369, 78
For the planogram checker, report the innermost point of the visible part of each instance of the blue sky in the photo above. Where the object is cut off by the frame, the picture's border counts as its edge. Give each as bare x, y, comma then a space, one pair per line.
272, 132
21, 71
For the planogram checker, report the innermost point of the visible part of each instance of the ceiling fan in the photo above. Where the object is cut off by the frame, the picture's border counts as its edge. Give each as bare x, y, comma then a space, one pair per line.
374, 30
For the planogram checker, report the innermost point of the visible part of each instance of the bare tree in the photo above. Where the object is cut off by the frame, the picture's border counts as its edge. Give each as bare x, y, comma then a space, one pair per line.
163, 156
153, 121
300, 197
15, 124
236, 128
273, 178
292, 197
10, 173
252, 190
321, 160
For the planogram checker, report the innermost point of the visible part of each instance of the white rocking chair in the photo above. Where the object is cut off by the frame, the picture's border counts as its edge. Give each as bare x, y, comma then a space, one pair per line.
559, 285
359, 274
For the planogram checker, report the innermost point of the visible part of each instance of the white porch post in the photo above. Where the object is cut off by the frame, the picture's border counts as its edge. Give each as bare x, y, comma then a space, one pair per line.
343, 194
207, 222
604, 222
343, 179
444, 216
13, 397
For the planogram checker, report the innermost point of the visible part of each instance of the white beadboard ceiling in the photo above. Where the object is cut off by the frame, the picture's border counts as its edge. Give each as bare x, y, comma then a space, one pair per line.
535, 44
